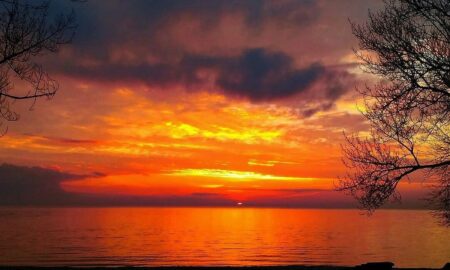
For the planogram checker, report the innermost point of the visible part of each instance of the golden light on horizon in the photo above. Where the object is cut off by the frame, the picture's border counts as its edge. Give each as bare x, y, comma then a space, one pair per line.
232, 174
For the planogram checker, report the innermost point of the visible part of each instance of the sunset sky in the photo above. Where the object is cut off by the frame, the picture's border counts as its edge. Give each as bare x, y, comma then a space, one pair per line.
194, 103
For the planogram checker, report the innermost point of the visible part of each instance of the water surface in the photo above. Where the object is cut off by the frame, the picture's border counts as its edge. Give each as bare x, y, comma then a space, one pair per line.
219, 236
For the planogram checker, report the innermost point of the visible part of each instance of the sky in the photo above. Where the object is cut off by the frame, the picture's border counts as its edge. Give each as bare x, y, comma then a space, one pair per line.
205, 103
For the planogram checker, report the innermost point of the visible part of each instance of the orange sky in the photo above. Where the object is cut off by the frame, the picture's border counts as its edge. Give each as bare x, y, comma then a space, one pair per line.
131, 135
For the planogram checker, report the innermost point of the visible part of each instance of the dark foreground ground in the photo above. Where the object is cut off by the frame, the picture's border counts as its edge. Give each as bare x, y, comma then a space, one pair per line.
370, 266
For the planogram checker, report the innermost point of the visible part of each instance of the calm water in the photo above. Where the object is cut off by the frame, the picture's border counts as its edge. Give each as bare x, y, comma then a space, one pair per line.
219, 236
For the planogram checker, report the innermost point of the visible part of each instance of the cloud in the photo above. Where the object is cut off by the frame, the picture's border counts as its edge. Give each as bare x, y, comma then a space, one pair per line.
262, 75
103, 25
31, 185
61, 140
35, 186
257, 74
341, 121
257, 50
334, 84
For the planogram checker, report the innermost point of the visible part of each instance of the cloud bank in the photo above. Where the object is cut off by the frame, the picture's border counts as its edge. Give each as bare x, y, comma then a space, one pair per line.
35, 186
237, 48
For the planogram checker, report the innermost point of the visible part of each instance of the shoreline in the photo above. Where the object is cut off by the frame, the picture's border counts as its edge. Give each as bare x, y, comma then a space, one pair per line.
369, 266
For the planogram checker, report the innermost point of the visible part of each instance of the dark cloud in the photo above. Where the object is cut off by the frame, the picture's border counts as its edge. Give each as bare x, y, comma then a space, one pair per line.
334, 83
254, 11
313, 200
257, 74
31, 185
146, 42
104, 24
35, 186
261, 75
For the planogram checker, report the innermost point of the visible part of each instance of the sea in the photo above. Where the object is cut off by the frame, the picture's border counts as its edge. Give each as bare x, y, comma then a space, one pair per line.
142, 236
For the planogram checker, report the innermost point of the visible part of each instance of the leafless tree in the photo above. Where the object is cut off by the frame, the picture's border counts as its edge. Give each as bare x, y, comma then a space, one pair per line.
407, 44
28, 30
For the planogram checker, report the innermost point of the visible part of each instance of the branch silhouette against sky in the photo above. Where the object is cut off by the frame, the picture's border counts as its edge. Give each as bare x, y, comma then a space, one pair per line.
407, 44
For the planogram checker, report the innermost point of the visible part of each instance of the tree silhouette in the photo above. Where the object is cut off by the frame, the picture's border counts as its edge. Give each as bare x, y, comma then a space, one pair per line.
407, 44
28, 30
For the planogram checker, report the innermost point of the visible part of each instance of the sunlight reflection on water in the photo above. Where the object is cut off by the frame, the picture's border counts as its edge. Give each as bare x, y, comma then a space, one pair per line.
219, 236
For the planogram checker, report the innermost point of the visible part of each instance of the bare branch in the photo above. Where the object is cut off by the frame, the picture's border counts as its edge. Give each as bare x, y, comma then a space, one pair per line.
28, 30
408, 45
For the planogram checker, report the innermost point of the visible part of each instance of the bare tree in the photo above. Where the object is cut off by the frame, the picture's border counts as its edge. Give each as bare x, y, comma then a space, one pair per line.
407, 44
28, 30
